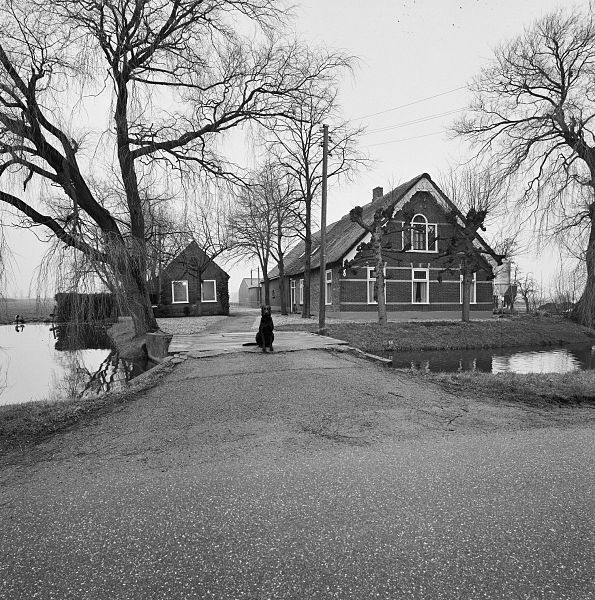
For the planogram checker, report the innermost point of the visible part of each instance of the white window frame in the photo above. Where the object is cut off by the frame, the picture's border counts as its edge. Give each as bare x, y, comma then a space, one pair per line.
427, 227
414, 281
473, 290
214, 282
173, 297
302, 292
370, 288
328, 287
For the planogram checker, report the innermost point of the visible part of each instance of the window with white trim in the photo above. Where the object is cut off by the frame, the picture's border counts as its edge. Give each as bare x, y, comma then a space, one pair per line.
328, 290
472, 290
208, 291
179, 292
301, 291
423, 235
420, 286
371, 277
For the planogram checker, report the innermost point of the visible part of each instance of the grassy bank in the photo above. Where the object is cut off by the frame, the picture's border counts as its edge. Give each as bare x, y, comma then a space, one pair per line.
447, 335
24, 424
536, 389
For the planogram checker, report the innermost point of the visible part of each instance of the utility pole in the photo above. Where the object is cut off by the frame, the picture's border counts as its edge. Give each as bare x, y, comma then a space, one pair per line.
322, 300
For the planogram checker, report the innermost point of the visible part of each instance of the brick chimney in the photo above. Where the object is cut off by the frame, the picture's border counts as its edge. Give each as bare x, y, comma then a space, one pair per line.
377, 192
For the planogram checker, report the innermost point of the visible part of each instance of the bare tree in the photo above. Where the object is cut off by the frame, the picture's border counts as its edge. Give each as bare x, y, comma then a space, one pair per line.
381, 227
527, 288
296, 145
175, 74
480, 197
264, 222
532, 114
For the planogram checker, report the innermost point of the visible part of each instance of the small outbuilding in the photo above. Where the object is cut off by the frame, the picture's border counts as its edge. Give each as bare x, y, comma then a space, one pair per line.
192, 284
249, 292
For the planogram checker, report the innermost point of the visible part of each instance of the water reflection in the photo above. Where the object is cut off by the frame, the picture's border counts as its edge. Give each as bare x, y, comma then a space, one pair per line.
38, 363
499, 360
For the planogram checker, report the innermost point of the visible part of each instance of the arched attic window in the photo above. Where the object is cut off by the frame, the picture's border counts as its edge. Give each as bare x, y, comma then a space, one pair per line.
423, 235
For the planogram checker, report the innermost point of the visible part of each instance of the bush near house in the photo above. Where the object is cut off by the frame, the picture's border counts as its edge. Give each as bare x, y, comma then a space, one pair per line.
73, 306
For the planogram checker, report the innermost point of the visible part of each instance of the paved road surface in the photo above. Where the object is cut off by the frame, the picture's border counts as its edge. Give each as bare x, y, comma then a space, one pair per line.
302, 475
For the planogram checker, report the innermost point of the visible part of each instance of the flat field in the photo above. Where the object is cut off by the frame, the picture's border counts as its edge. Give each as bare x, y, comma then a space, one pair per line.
31, 309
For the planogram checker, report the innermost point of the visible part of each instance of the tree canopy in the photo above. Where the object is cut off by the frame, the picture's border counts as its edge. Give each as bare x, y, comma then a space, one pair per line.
108, 107
533, 114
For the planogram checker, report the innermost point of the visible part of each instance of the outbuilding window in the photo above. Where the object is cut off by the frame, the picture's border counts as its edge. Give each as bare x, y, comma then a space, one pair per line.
179, 292
328, 292
208, 291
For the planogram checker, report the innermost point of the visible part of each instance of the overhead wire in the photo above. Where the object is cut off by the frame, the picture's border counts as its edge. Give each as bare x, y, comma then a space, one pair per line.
416, 137
414, 121
382, 112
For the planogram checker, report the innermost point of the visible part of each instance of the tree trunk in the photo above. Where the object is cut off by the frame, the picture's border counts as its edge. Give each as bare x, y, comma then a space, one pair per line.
281, 265
584, 311
307, 259
467, 281
199, 297
379, 285
526, 299
282, 287
267, 289
138, 303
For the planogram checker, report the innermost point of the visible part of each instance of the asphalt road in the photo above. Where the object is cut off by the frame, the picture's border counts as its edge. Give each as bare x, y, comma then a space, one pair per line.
302, 475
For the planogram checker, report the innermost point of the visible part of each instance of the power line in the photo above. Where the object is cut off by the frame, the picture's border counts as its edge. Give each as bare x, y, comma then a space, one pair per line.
414, 121
382, 112
415, 137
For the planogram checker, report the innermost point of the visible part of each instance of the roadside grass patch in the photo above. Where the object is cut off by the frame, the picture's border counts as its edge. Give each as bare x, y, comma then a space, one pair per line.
535, 389
31, 422
539, 389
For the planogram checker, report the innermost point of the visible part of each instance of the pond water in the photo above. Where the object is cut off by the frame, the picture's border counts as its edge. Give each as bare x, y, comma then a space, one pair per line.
500, 360
38, 364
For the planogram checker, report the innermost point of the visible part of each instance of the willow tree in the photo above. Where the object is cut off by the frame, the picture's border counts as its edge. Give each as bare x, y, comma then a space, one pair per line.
533, 114
106, 105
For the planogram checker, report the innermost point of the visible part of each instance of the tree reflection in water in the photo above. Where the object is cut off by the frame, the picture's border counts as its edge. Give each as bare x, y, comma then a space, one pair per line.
113, 372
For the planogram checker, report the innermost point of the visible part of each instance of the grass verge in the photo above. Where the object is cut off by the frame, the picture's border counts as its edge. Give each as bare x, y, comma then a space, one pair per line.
31, 422
447, 335
536, 389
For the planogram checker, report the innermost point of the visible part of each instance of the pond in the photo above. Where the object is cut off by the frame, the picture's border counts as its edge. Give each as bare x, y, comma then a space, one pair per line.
39, 363
500, 360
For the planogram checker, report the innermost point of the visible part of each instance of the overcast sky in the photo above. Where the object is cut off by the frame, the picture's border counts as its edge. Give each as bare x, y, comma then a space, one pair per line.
416, 57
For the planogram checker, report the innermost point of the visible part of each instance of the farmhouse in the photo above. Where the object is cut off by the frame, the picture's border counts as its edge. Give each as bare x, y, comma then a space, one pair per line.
190, 285
416, 275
